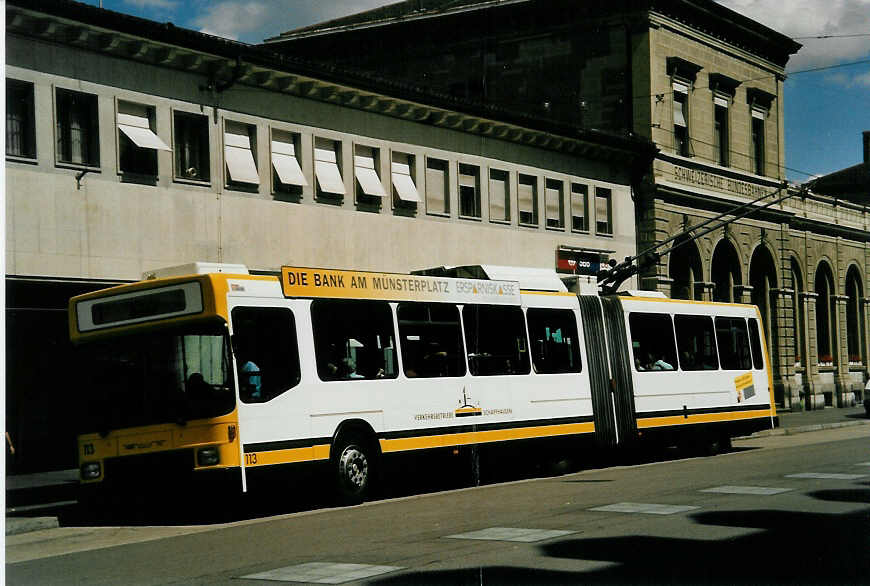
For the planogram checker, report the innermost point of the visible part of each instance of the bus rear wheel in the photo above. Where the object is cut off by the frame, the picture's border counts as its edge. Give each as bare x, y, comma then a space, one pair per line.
354, 466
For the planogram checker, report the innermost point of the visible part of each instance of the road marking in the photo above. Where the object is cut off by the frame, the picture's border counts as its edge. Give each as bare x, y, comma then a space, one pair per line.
827, 476
648, 508
323, 573
863, 464
511, 534
756, 490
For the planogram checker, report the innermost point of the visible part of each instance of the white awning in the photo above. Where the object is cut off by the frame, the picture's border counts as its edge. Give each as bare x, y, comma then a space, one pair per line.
240, 159
680, 87
679, 119
759, 113
498, 202
526, 197
286, 165
720, 101
327, 172
139, 131
369, 182
404, 184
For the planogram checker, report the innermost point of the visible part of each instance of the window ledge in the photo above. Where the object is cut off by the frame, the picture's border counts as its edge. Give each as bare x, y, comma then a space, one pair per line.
438, 214
604, 234
471, 218
501, 222
534, 226
573, 231
556, 228
19, 159
198, 183
78, 167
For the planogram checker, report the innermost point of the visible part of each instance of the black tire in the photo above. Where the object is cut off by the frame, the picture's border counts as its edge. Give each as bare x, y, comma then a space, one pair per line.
354, 465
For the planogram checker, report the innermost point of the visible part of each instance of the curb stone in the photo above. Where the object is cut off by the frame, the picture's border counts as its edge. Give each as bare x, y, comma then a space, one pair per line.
18, 525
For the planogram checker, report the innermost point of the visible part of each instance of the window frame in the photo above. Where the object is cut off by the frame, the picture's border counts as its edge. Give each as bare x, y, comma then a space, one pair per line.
721, 130
252, 134
93, 162
324, 162
719, 342
560, 202
368, 185
585, 195
607, 194
681, 317
474, 173
535, 214
435, 163
506, 219
682, 137
28, 134
178, 147
293, 140
397, 174
474, 366
674, 362
407, 360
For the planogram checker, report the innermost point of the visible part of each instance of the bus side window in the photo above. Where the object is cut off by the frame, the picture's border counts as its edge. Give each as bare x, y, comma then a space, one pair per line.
755, 343
495, 340
652, 341
353, 340
553, 335
696, 342
431, 340
733, 341
267, 355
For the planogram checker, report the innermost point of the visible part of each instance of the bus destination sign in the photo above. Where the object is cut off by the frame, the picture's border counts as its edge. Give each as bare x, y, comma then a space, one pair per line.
308, 282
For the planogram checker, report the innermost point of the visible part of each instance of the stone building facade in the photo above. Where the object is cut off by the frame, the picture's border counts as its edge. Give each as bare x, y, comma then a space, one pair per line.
705, 85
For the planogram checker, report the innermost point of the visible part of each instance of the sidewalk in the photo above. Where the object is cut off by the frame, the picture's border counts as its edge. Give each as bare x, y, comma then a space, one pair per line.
29, 494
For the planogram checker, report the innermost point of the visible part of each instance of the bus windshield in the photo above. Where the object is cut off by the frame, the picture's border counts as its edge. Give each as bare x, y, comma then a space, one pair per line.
164, 376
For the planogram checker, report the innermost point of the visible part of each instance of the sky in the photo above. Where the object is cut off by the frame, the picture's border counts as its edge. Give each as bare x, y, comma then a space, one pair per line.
825, 110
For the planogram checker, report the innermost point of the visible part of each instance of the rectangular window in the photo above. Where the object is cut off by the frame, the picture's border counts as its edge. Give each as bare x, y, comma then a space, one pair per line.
755, 344
696, 342
579, 207
528, 200
652, 341
499, 196
20, 120
267, 354
469, 191
757, 154
138, 142
240, 153
732, 339
431, 339
720, 131
437, 184
553, 336
404, 187
287, 175
495, 340
366, 161
327, 168
78, 131
353, 340
190, 134
681, 118
555, 203
603, 211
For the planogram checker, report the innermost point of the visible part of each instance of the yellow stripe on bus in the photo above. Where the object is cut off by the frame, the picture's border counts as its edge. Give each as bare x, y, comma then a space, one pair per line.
701, 418
479, 437
289, 456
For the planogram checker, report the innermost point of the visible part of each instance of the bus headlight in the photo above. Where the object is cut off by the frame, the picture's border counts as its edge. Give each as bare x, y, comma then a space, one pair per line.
207, 456
91, 471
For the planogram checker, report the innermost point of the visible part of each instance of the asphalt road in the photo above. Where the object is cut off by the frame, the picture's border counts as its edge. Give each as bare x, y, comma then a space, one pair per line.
762, 524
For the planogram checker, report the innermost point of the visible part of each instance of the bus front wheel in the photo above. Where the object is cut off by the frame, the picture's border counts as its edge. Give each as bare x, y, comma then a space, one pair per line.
354, 466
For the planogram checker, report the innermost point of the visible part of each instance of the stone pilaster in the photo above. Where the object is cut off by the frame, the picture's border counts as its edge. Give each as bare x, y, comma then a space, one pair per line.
743, 294
814, 397
706, 289
784, 327
845, 395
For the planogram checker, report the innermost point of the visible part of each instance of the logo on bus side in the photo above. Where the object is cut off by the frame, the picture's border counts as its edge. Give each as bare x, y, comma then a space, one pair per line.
744, 387
467, 408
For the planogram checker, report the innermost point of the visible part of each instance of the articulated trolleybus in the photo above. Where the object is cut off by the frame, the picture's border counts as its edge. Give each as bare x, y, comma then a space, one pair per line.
206, 370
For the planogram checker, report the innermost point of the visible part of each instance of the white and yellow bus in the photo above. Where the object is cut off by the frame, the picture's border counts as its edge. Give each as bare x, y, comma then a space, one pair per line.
207, 370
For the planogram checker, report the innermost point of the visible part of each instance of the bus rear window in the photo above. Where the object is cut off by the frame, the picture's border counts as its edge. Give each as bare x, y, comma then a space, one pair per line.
755, 342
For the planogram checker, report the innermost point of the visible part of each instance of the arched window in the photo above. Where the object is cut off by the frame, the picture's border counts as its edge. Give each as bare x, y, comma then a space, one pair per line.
725, 271
855, 334
797, 281
685, 270
825, 315
762, 278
